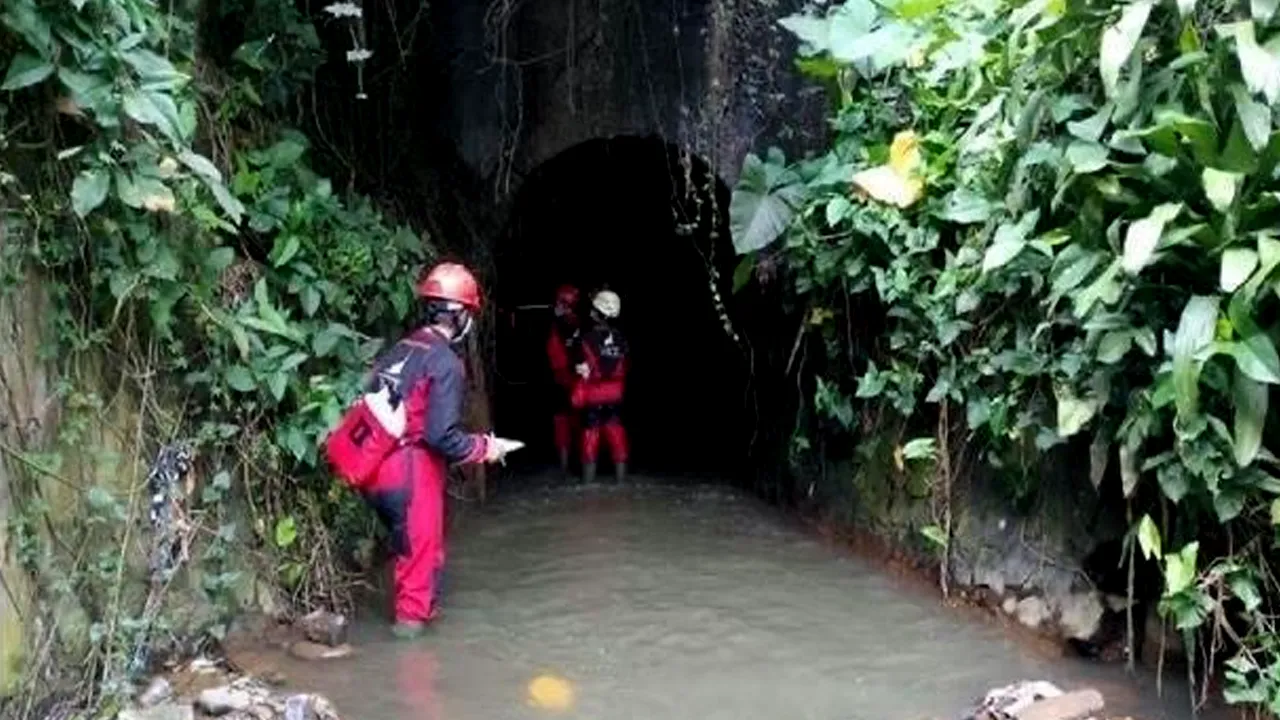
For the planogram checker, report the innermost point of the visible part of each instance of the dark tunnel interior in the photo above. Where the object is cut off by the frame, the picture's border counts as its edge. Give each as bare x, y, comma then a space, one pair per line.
634, 215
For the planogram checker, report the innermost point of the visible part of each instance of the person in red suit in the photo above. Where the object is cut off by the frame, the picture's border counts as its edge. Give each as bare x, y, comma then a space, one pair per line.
562, 353
425, 373
600, 386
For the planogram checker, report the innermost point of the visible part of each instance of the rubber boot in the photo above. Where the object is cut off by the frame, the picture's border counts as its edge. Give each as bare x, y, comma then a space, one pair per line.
564, 461
408, 630
620, 471
588, 473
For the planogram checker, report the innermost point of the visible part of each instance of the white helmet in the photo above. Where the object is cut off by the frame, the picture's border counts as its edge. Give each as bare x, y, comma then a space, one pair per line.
607, 303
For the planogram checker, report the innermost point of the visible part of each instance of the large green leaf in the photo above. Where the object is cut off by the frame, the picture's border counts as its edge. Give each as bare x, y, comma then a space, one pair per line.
1143, 236
1148, 538
156, 109
1074, 412
89, 190
762, 204
1259, 66
1087, 157
1119, 40
1256, 357
1237, 265
1180, 569
1009, 240
1250, 399
1195, 333
26, 70
1220, 187
1255, 118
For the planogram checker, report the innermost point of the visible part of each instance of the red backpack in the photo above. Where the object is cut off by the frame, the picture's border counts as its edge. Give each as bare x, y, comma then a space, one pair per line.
367, 433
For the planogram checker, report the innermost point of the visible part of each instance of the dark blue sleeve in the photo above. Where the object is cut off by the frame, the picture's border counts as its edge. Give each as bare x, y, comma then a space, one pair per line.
443, 429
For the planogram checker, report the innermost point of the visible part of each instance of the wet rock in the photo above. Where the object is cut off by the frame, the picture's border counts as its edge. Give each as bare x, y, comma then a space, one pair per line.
324, 627
305, 650
163, 711
1032, 611
156, 692
1080, 615
1010, 605
1006, 702
1077, 705
222, 700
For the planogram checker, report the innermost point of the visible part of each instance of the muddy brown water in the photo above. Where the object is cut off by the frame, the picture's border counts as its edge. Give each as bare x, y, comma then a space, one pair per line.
668, 603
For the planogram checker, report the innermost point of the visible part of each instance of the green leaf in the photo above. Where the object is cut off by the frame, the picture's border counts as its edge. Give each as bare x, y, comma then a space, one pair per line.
1275, 512
1256, 357
283, 252
152, 68
286, 532
200, 165
1087, 157
743, 273
278, 383
1143, 237
1259, 66
814, 32
1180, 569
324, 341
310, 300
838, 209
1148, 538
762, 204
89, 190
230, 205
935, 535
1227, 504
923, 448
1009, 240
1237, 265
156, 109
1250, 399
966, 207
1073, 412
1220, 187
1263, 10
1118, 42
26, 70
1090, 129
240, 379
1114, 346
1255, 117
1244, 588
1195, 332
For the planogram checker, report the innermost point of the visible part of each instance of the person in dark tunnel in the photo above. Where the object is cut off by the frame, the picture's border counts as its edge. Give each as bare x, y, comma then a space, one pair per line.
602, 381
426, 374
562, 355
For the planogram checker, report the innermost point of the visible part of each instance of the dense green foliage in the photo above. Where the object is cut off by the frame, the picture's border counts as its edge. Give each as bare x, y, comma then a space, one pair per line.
195, 262
1072, 236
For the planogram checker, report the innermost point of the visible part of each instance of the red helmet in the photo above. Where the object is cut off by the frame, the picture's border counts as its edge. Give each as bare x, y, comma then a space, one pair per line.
451, 281
567, 295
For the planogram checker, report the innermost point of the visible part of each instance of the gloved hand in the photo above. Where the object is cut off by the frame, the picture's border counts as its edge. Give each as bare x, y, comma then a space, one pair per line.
496, 448
583, 370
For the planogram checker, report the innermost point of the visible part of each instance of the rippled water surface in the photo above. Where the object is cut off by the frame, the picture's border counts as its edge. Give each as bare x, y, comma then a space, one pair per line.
671, 603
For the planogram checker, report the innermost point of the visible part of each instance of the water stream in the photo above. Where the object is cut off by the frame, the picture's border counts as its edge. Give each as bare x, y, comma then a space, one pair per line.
686, 602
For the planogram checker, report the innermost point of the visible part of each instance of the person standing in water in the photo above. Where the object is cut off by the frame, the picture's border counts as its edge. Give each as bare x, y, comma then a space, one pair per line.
425, 373
562, 354
600, 386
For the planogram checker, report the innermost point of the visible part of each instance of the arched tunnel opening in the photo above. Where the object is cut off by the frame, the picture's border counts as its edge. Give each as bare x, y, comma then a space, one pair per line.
647, 220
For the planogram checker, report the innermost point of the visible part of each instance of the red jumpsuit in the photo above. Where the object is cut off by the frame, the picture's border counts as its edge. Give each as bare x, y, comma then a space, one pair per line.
562, 351
604, 351
408, 493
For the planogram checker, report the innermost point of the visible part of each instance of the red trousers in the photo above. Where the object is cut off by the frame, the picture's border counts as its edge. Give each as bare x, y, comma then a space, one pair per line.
408, 495
566, 426
614, 434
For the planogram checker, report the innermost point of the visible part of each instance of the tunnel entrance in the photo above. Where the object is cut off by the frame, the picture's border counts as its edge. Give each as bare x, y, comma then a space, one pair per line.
642, 218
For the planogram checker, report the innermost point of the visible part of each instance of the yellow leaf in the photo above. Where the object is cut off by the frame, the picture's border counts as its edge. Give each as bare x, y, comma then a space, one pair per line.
904, 153
168, 167
158, 203
887, 186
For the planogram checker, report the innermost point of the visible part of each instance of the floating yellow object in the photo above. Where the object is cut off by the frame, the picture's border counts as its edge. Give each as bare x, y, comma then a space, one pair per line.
896, 182
549, 692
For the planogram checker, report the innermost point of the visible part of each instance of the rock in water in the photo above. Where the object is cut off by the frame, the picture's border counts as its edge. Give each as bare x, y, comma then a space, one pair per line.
324, 627
1076, 705
156, 692
304, 650
165, 711
222, 700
